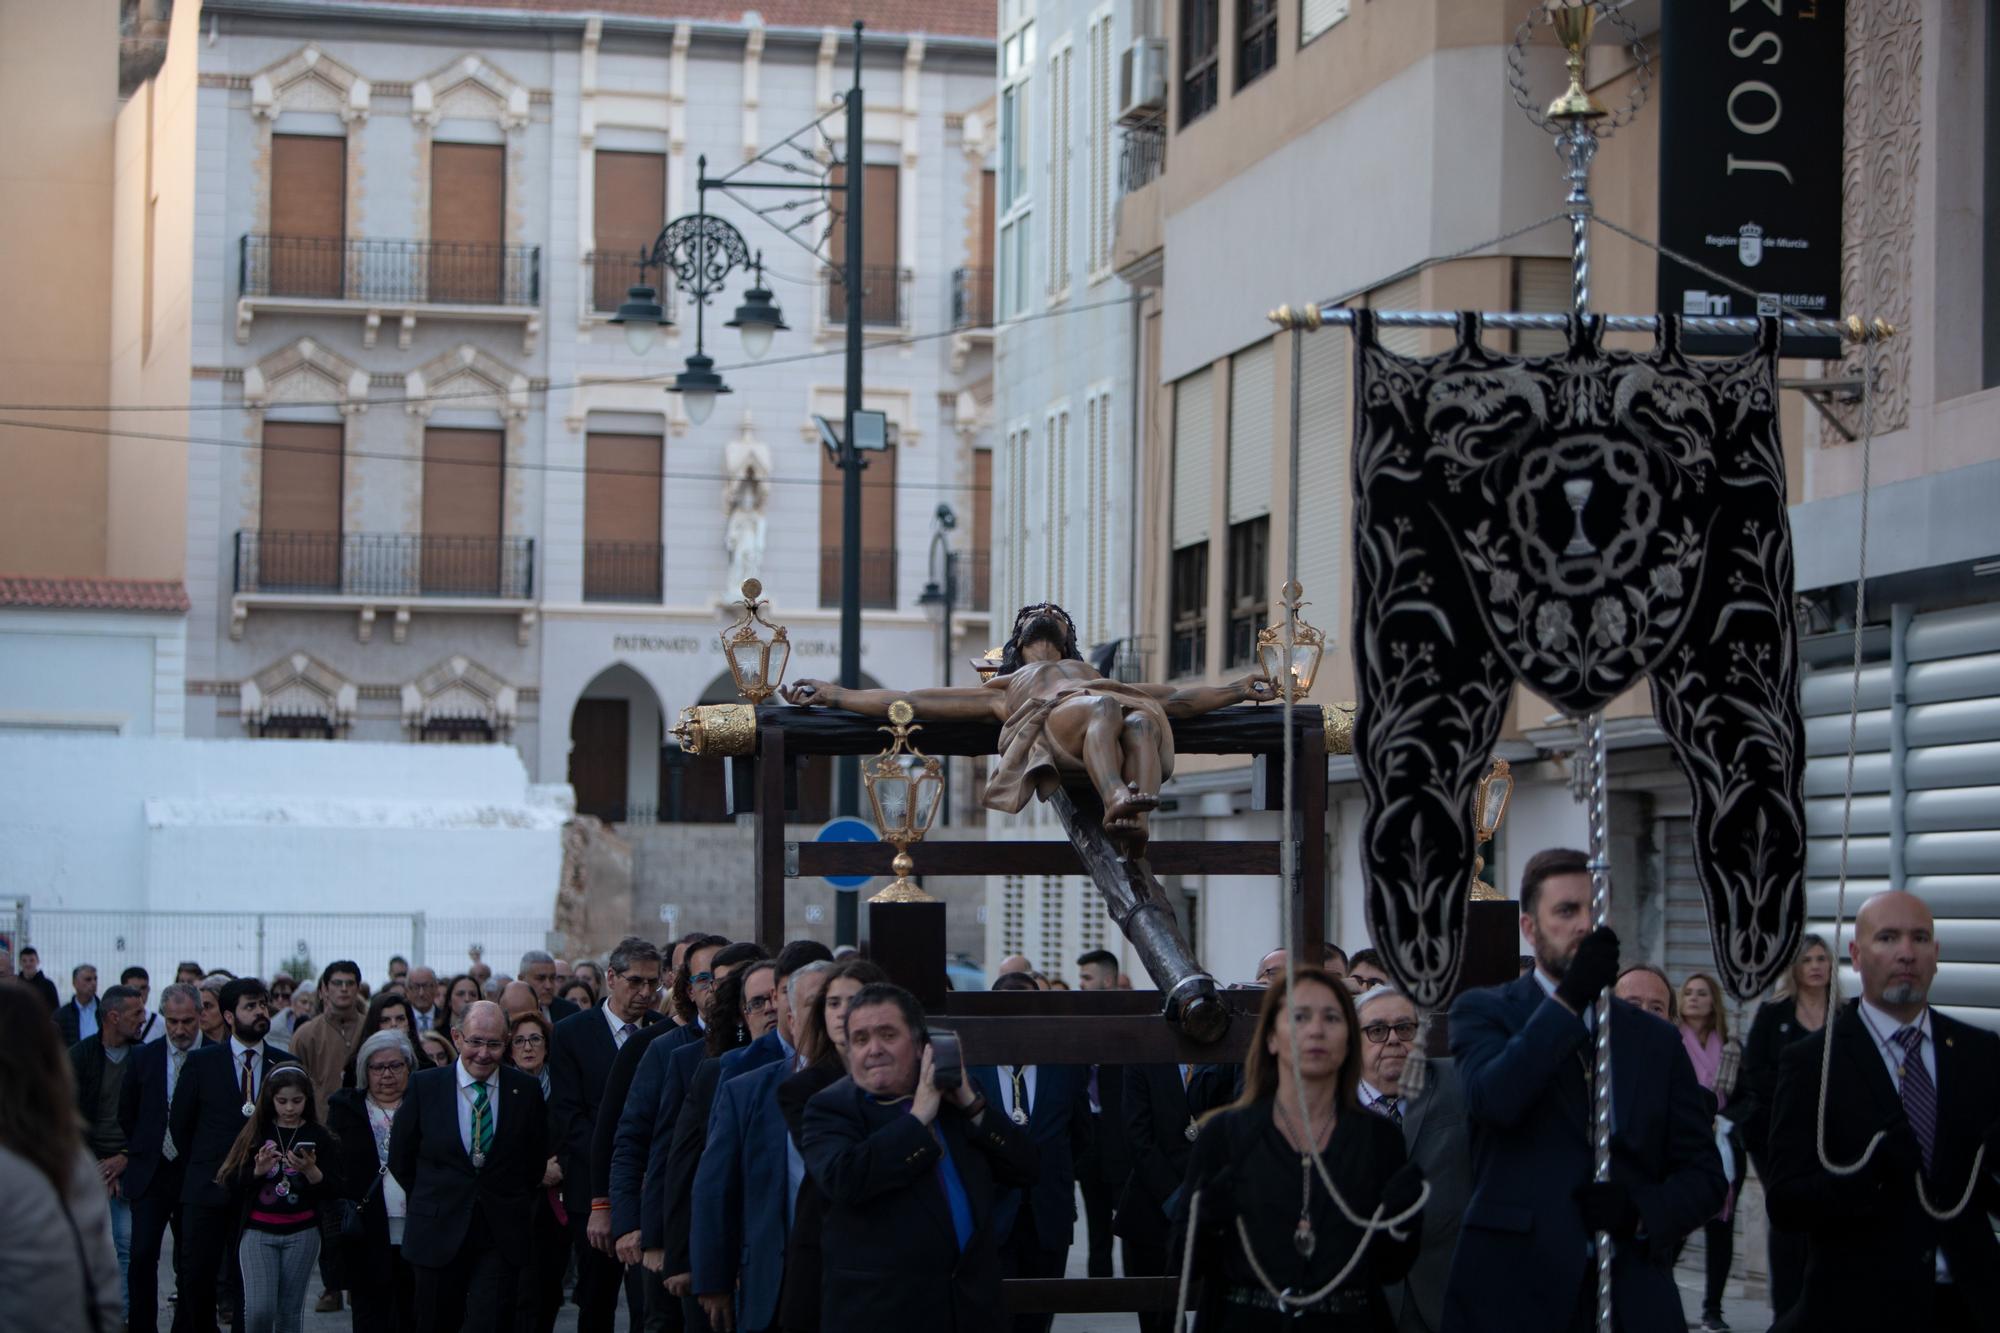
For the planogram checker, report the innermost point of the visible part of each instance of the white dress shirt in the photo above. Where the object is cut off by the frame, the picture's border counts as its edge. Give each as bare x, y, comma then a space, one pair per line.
1006, 1073
465, 1082
1882, 1026
86, 1020
237, 1050
617, 1025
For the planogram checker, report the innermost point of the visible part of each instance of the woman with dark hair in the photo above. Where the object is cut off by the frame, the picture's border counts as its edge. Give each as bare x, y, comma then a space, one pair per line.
1799, 1008
821, 1041
273, 1169
57, 1264
1270, 1240
1704, 1026
460, 994
578, 992
387, 1011
530, 1039
383, 1286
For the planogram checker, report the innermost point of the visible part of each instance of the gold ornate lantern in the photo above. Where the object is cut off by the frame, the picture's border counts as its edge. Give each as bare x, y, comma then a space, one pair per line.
757, 660
904, 786
712, 729
1489, 807
1292, 673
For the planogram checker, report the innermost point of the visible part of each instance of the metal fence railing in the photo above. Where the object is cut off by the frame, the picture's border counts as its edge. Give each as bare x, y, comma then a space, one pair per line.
622, 571
385, 564
878, 578
340, 268
972, 298
1142, 156
260, 943
885, 298
608, 275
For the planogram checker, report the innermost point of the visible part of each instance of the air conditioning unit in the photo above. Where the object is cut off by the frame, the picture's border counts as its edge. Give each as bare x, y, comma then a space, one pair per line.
1142, 81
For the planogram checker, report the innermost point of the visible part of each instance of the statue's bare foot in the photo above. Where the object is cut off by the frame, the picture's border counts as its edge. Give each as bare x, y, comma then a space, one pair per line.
1124, 812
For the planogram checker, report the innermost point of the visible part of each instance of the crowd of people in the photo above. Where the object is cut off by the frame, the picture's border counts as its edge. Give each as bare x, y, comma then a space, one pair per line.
718, 1139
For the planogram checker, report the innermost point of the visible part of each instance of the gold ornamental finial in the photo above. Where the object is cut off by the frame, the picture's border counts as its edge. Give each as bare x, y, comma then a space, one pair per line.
1573, 24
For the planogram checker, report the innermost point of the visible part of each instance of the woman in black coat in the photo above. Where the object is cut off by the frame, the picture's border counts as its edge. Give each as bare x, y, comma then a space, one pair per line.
1262, 1218
822, 1044
382, 1285
1797, 1011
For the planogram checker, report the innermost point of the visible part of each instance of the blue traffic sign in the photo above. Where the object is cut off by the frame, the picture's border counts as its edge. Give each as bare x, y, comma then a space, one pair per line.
847, 829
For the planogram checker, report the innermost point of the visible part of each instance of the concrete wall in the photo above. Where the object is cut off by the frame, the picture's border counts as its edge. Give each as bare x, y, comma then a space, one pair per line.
240, 826
58, 102
92, 671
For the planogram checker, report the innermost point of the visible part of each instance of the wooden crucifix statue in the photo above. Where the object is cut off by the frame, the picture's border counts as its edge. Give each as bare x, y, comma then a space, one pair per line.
1059, 716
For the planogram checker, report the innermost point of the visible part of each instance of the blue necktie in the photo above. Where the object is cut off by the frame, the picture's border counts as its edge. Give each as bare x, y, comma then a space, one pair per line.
954, 1191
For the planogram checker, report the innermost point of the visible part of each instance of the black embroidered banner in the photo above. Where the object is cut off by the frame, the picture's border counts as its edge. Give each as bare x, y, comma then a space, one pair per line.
1576, 522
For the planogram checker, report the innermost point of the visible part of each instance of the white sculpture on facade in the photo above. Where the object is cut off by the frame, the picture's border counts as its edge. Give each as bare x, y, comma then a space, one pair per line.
745, 495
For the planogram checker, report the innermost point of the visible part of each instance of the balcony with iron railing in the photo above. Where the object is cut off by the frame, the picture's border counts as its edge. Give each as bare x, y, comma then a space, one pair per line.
609, 274
878, 578
975, 579
1139, 224
389, 566
885, 298
623, 571
972, 298
376, 277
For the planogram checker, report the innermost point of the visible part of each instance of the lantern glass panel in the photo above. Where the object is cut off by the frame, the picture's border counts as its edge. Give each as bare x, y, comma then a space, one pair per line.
1305, 664
930, 786
746, 659
891, 794
1493, 802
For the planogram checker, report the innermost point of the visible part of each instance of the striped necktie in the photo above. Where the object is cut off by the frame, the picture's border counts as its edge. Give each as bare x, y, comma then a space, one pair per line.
1920, 1102
482, 1121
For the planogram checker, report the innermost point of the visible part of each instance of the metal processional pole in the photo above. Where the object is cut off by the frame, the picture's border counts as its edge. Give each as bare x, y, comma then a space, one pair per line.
1577, 113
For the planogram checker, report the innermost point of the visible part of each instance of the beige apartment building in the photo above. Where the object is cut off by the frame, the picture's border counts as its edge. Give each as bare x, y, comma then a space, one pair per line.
93, 609
1295, 150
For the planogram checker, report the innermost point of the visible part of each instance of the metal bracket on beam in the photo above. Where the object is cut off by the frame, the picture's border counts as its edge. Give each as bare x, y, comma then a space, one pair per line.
1822, 394
791, 860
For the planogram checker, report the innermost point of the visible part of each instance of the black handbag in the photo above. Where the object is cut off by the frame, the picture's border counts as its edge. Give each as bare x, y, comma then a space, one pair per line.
347, 1223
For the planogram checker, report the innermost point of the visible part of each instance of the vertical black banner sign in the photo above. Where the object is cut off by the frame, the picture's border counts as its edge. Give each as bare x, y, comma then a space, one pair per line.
1750, 160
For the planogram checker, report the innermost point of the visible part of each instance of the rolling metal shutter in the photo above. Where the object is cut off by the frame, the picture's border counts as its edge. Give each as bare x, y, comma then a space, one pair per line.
1406, 294
1194, 446
1936, 761
1251, 387
621, 488
1541, 285
1326, 428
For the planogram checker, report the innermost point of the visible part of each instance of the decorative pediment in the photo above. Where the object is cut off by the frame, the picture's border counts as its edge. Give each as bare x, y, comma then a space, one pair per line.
467, 379
306, 373
297, 687
309, 80
469, 88
458, 691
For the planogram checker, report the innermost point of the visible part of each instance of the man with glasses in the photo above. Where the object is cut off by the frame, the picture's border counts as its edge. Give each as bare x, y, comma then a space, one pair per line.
284, 1023
421, 989
1433, 1126
587, 1045
538, 970
477, 1225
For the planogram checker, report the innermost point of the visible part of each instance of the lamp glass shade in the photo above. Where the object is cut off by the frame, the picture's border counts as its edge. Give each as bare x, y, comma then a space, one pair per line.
700, 404
757, 340
747, 663
890, 793
639, 336
929, 784
1296, 674
1490, 801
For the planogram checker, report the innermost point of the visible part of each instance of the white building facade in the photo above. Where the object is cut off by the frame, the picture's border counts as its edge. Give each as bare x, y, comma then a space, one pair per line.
446, 501
1066, 421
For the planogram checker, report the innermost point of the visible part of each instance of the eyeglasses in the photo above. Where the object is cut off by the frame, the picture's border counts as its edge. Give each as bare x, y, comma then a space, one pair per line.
1379, 1032
757, 1004
480, 1044
702, 979
527, 1039
379, 1068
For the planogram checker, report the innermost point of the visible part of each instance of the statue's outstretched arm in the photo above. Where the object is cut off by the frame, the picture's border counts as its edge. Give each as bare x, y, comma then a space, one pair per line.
1195, 700
958, 703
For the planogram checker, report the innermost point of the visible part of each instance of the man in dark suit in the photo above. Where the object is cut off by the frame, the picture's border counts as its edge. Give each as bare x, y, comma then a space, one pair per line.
908, 1241
1103, 1168
1162, 1105
155, 1171
1524, 1061
624, 1136
746, 1186
1052, 1102
1433, 1125
77, 1018
538, 969
469, 1146
586, 1045
31, 972
218, 1090
420, 988
1929, 1086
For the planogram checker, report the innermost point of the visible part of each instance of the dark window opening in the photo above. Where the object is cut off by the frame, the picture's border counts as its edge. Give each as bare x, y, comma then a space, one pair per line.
1249, 600
457, 731
296, 727
1201, 57
1189, 651
1257, 39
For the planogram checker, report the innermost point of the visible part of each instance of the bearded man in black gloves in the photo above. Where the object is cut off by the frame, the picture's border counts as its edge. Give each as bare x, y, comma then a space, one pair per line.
1525, 1058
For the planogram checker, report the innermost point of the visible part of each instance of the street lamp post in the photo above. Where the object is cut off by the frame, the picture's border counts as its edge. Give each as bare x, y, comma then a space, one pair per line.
701, 251
940, 596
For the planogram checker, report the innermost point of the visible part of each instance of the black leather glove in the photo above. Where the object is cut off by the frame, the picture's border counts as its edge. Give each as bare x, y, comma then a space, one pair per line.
1594, 967
1402, 1190
1607, 1206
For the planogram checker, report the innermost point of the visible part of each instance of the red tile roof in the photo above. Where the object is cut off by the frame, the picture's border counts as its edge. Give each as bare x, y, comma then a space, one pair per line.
956, 18
92, 594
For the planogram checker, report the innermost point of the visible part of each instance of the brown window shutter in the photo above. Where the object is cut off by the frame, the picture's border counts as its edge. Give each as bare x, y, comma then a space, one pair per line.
878, 530
880, 210
631, 209
983, 254
621, 517
830, 481
463, 480
468, 221
299, 545
982, 530
308, 214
